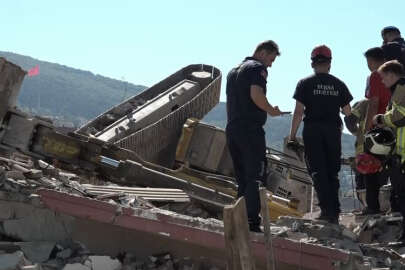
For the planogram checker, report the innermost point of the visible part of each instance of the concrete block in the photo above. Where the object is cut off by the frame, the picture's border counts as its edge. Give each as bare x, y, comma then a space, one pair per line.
37, 252
40, 225
104, 263
12, 261
34, 174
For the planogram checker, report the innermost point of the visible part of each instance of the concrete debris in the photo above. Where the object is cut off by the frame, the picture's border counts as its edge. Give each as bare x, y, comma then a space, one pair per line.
104, 263
31, 267
12, 261
69, 259
64, 254
37, 252
35, 237
373, 239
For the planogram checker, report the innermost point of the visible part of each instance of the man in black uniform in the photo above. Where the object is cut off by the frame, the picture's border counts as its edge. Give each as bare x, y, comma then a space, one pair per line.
320, 96
393, 44
247, 109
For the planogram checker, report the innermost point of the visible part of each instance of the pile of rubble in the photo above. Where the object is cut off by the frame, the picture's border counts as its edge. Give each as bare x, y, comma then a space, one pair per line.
21, 178
370, 239
51, 256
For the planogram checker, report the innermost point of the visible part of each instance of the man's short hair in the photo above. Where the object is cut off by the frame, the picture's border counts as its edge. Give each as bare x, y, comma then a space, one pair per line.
390, 29
392, 66
375, 53
269, 46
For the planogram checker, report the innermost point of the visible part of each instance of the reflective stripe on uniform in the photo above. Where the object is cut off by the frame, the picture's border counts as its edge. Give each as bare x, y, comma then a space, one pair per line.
387, 118
399, 108
400, 145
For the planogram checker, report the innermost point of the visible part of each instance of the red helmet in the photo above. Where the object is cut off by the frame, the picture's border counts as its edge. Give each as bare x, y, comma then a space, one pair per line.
367, 164
321, 51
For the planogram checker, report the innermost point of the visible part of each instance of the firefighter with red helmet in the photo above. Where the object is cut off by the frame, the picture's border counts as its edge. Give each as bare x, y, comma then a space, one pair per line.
320, 97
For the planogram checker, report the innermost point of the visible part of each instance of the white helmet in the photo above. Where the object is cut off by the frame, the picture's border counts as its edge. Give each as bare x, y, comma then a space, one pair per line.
379, 141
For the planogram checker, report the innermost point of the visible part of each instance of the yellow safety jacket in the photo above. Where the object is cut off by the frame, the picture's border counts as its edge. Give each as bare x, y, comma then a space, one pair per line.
395, 117
360, 111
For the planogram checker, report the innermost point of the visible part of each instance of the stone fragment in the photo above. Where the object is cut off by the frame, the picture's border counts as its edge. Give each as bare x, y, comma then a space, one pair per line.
34, 174
153, 259
44, 165
37, 252
349, 234
64, 254
53, 264
76, 266
11, 261
31, 267
297, 236
16, 175
104, 263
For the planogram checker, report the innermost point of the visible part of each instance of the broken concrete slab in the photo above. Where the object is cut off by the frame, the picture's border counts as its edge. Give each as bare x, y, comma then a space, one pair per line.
34, 174
104, 263
36, 224
37, 252
16, 175
11, 261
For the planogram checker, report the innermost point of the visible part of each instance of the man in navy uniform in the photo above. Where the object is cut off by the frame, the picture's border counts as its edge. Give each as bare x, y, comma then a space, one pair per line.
320, 97
247, 109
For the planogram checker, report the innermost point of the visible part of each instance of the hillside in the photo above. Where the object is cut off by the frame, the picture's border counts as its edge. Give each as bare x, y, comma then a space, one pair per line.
276, 128
67, 93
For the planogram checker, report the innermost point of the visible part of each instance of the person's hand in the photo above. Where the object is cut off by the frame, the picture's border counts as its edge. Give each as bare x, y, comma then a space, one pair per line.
377, 120
276, 111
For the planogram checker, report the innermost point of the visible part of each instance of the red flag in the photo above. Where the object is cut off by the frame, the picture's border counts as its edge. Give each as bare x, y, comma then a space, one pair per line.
33, 71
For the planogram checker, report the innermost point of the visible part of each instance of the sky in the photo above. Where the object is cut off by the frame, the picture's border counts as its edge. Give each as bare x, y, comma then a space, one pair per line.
143, 42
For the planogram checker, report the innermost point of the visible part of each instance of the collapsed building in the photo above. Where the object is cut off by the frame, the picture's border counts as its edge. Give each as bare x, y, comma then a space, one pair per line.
146, 182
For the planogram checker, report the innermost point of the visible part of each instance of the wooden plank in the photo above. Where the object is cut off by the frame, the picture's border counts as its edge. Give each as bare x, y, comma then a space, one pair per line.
270, 261
233, 261
243, 240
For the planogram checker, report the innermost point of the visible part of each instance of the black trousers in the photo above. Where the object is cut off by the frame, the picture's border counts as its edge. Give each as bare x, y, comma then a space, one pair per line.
247, 147
373, 184
397, 178
322, 153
